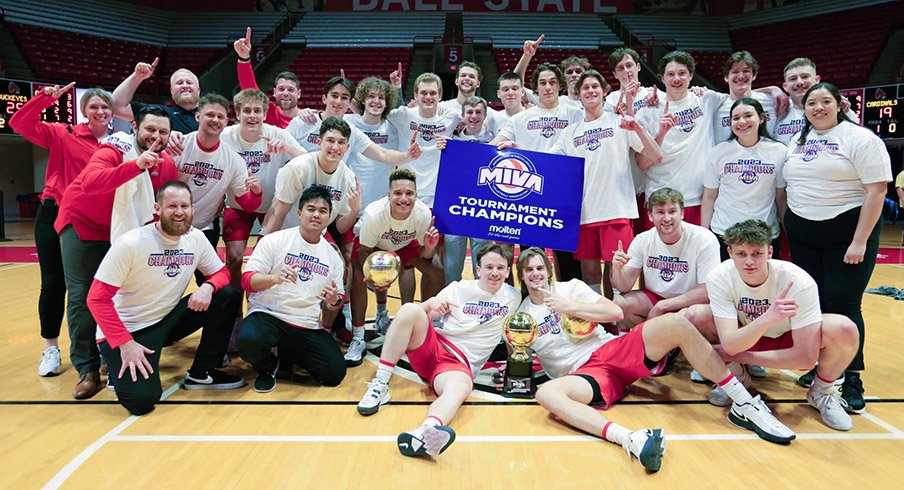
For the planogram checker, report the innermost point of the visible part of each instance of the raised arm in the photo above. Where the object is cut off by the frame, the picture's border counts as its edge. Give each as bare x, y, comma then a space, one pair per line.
122, 96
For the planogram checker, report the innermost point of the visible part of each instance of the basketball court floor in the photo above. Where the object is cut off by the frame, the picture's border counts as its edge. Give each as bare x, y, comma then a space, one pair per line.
305, 436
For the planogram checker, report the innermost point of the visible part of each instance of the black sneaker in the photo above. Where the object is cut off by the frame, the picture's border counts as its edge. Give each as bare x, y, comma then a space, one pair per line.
852, 392
266, 380
807, 379
214, 380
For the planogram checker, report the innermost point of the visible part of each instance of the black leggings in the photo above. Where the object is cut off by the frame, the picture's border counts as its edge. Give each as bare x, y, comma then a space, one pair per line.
818, 247
51, 303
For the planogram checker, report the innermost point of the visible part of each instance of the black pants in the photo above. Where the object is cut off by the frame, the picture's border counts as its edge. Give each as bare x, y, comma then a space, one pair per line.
52, 301
139, 397
314, 350
213, 236
723, 247
569, 267
818, 247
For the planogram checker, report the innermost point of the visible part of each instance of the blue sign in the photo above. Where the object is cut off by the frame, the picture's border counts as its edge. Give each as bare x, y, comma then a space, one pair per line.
515, 196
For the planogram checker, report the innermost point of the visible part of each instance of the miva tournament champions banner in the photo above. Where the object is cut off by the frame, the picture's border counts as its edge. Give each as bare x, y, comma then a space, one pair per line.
515, 196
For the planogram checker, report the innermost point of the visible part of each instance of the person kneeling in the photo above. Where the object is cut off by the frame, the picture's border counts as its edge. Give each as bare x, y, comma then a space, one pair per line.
597, 369
135, 299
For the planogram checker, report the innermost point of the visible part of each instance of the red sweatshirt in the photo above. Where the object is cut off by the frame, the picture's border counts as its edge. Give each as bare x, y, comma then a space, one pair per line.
70, 146
87, 203
247, 80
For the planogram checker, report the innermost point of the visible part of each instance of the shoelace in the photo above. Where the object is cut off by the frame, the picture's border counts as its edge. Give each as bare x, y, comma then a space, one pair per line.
853, 383
830, 399
373, 388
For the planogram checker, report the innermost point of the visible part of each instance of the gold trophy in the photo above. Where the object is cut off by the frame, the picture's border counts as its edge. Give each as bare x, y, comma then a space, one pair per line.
520, 332
577, 328
381, 268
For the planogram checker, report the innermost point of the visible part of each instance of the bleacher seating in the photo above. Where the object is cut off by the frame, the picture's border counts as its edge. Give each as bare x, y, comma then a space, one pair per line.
510, 30
507, 58
368, 29
320, 64
848, 43
709, 65
689, 32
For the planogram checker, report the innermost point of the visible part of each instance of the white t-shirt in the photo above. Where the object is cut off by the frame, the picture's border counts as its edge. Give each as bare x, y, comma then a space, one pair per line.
406, 121
672, 270
372, 175
474, 328
258, 161
558, 353
825, 176
534, 99
538, 129
210, 174
730, 297
722, 117
318, 266
639, 99
302, 172
152, 272
606, 150
484, 136
794, 121
746, 179
496, 120
308, 135
686, 147
380, 230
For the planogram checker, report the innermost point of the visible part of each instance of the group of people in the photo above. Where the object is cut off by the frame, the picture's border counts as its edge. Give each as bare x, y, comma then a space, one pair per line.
686, 190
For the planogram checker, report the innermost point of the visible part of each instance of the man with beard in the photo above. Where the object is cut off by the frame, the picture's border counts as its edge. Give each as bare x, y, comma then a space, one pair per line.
84, 224
184, 90
135, 299
285, 88
468, 81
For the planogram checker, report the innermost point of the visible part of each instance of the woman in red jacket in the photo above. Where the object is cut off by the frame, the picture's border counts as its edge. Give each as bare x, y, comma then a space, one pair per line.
70, 148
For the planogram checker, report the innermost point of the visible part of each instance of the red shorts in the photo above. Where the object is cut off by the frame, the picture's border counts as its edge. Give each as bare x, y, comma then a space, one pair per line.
653, 297
237, 224
600, 240
349, 236
691, 215
616, 365
783, 341
435, 356
406, 254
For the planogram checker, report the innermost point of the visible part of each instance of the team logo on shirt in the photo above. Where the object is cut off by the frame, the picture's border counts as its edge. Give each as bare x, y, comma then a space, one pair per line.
547, 125
511, 177
306, 266
120, 144
171, 261
313, 139
748, 170
668, 266
397, 237
484, 310
550, 324
686, 118
592, 138
377, 137
255, 159
752, 308
427, 131
201, 172
810, 150
791, 127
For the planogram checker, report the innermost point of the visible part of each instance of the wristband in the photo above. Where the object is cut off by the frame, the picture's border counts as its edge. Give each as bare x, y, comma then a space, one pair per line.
245, 60
338, 302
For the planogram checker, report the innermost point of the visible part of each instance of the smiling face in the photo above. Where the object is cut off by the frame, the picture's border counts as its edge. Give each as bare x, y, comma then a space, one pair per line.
467, 81
592, 93
510, 93
175, 211
667, 220
492, 272
535, 274
211, 119
98, 112
548, 89
798, 80
822, 109
752, 262
402, 196
676, 77
474, 115
314, 216
627, 70
375, 103
745, 122
149, 131
336, 101
333, 147
428, 95
286, 94
185, 89
740, 79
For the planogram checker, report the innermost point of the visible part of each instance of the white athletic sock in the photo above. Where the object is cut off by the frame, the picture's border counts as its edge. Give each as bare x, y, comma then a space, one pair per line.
821, 386
432, 421
613, 432
735, 390
384, 371
381, 307
358, 332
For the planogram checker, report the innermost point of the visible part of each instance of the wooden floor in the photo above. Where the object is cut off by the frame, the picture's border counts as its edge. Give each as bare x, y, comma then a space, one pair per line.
306, 436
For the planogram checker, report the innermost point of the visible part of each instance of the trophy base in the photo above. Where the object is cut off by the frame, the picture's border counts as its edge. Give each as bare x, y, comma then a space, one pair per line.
519, 380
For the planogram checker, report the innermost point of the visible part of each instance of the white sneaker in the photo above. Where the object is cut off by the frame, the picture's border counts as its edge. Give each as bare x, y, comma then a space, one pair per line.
425, 440
50, 361
377, 395
696, 377
381, 322
355, 354
756, 370
756, 416
647, 446
832, 408
718, 397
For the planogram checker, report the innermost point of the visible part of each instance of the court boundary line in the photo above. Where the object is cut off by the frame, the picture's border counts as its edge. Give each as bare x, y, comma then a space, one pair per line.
76, 462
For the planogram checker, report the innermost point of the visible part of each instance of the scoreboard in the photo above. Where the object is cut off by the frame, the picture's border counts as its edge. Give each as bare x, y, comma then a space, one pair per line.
883, 110
15, 93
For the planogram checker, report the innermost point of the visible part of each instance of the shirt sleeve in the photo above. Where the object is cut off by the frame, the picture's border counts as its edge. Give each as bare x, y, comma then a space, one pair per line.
713, 175
246, 75
291, 181
808, 311
27, 121
718, 287
117, 263
508, 130
870, 159
638, 250
100, 303
583, 294
708, 257
261, 259
208, 260
370, 235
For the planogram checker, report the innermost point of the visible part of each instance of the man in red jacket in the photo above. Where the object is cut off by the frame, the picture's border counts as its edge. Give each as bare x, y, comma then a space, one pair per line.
84, 226
136, 295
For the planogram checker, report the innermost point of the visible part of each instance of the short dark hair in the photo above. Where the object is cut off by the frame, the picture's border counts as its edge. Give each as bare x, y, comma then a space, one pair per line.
510, 75
171, 184
331, 123
402, 174
547, 67
287, 75
497, 249
473, 66
151, 110
619, 54
738, 57
593, 74
313, 192
752, 232
762, 131
212, 98
345, 82
682, 57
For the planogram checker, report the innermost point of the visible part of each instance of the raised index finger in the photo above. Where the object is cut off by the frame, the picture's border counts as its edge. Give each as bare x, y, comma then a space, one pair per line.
539, 39
67, 87
786, 290
248, 35
413, 137
154, 64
